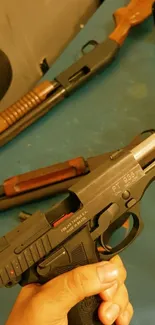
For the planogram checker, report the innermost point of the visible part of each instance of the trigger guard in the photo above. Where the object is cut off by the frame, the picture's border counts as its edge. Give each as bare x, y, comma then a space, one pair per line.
108, 253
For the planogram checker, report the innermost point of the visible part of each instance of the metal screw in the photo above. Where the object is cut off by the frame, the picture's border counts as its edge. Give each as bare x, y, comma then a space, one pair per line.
126, 195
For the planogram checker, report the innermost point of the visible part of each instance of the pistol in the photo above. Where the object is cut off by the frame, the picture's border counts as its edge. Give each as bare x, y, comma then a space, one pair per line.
68, 235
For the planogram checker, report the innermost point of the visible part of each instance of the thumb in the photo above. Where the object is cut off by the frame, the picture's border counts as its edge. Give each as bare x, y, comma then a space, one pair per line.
70, 288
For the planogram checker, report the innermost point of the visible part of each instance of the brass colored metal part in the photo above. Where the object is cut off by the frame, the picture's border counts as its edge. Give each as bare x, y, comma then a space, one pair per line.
27, 103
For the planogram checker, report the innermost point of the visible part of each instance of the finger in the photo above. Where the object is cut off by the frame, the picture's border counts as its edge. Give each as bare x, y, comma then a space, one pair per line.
72, 287
126, 316
110, 292
27, 292
117, 260
121, 298
25, 295
110, 310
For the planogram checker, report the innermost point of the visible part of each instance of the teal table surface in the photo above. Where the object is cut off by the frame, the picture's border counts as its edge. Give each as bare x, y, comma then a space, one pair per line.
103, 115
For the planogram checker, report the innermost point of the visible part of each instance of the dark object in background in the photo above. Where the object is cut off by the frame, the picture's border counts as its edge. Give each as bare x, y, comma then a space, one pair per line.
5, 74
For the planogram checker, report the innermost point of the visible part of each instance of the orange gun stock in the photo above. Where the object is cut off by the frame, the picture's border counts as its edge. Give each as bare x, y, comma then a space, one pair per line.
127, 17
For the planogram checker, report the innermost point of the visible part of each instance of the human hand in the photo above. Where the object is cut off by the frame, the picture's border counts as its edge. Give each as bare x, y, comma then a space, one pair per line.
50, 303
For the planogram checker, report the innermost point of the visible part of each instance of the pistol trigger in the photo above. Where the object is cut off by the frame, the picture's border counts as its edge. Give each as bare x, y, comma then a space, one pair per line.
105, 219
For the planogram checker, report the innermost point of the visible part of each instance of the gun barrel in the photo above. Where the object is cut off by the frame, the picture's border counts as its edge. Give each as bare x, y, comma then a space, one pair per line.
145, 149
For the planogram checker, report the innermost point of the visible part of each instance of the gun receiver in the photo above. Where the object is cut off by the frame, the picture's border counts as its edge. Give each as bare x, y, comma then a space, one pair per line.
48, 244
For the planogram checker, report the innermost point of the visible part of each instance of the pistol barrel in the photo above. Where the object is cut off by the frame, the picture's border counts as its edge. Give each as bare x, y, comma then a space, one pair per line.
145, 149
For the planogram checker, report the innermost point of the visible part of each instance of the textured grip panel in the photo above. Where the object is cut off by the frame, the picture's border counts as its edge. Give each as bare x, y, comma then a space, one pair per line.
85, 312
82, 250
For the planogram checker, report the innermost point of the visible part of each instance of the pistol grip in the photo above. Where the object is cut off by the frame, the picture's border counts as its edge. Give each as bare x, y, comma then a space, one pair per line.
77, 251
85, 312
84, 252
81, 251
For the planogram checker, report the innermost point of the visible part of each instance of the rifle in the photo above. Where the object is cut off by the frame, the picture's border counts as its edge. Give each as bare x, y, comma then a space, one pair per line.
53, 180
66, 236
46, 95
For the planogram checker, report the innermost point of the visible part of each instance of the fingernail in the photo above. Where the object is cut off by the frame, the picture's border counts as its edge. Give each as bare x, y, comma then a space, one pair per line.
107, 272
125, 317
112, 313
